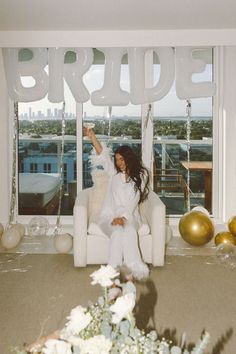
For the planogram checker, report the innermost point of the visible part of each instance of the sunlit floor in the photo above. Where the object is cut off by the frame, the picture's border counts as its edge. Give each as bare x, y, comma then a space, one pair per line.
175, 205
44, 245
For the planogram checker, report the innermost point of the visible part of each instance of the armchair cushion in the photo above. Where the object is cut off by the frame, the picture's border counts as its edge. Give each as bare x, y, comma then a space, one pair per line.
98, 191
95, 229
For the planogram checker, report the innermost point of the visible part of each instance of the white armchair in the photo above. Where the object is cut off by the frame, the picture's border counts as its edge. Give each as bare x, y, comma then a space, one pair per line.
94, 249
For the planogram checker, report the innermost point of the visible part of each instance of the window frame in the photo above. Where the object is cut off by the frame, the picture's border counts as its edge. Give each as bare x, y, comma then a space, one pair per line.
218, 150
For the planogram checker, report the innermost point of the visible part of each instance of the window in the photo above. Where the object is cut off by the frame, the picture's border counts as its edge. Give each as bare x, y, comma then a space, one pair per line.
47, 167
33, 168
114, 126
40, 152
183, 132
40, 140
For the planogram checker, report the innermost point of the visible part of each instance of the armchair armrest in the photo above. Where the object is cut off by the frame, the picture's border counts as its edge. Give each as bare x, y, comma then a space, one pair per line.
80, 221
155, 212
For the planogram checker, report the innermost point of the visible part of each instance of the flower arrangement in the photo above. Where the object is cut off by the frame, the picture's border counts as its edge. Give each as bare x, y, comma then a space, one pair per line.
107, 326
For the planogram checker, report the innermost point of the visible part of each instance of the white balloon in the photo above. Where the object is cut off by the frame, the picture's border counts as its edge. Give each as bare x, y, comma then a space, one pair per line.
20, 228
111, 93
10, 238
167, 65
74, 72
186, 66
63, 243
55, 70
15, 70
139, 94
136, 59
202, 209
1, 229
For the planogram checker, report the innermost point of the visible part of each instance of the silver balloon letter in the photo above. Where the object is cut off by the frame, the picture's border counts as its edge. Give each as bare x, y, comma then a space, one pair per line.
74, 72
15, 69
186, 66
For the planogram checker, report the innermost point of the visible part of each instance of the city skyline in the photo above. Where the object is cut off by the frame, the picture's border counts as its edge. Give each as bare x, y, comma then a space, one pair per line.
57, 115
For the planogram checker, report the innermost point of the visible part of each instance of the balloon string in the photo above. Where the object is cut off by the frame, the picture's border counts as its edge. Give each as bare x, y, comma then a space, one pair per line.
109, 116
145, 138
63, 126
148, 116
188, 137
14, 152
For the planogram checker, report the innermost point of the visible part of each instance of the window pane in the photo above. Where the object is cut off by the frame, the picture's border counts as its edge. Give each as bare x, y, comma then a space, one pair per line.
114, 126
172, 181
39, 157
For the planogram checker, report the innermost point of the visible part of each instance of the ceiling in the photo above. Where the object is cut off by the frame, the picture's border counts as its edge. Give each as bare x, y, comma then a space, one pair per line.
84, 15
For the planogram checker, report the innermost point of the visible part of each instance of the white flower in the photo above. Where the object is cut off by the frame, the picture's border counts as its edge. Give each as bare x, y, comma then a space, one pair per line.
55, 346
78, 320
104, 275
94, 345
122, 307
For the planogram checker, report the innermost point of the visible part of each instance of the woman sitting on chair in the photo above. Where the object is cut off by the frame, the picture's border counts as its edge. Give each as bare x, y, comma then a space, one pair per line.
119, 217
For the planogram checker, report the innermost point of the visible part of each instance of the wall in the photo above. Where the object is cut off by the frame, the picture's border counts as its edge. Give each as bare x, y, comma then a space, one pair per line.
228, 116
203, 37
4, 144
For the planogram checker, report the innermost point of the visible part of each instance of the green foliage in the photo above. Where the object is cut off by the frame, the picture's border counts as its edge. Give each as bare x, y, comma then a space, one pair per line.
121, 127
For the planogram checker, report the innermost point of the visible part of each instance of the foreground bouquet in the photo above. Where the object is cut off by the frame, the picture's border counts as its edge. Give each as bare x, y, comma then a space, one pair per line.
107, 326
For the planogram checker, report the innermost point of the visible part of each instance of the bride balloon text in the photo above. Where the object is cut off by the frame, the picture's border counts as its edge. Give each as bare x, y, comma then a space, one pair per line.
178, 65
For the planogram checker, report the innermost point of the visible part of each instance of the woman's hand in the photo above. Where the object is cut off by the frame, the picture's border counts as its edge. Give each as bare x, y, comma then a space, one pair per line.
118, 221
88, 132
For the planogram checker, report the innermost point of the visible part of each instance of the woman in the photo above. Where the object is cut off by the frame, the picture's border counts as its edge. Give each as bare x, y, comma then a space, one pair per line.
119, 217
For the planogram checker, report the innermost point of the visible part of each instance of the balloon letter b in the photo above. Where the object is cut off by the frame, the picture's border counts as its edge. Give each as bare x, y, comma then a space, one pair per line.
34, 68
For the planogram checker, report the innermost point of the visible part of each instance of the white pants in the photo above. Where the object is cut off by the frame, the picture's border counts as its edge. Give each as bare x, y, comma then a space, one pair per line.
124, 248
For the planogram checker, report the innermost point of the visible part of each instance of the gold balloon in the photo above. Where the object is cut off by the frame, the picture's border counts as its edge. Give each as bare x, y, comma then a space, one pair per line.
225, 237
232, 225
196, 228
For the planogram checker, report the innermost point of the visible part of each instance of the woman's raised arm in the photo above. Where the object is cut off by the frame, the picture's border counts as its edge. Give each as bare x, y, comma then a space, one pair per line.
96, 143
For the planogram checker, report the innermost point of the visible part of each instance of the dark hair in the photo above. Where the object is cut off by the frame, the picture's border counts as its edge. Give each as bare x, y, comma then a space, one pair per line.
136, 171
